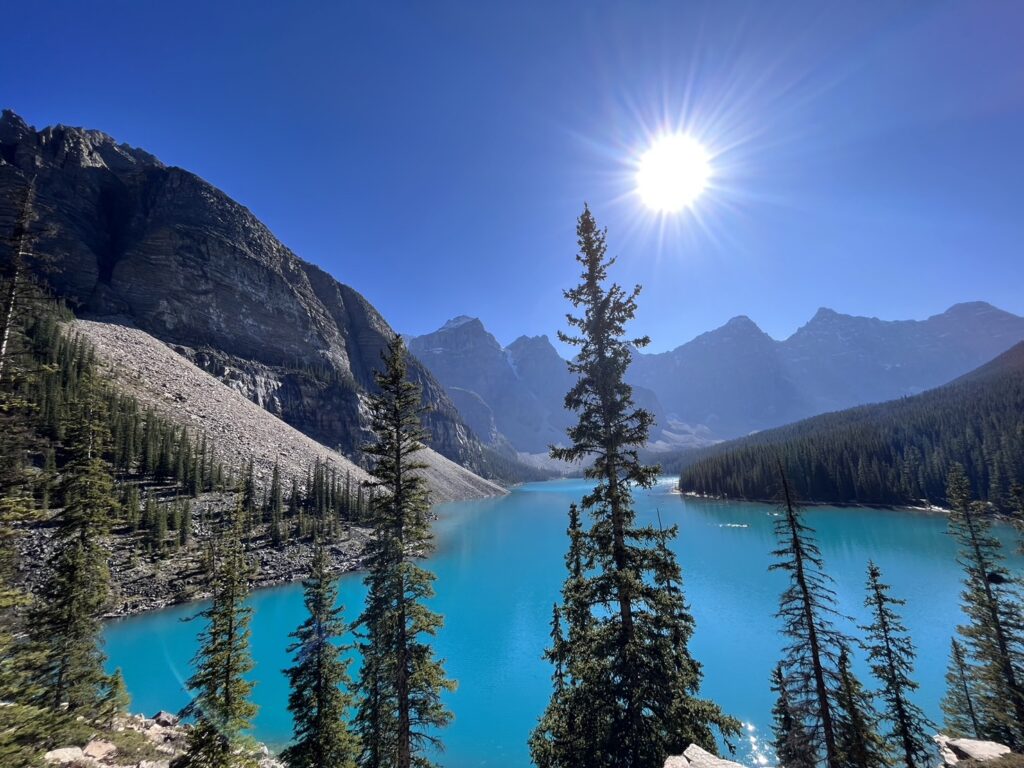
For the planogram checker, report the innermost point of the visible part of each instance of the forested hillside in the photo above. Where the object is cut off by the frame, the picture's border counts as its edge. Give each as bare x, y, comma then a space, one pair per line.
898, 452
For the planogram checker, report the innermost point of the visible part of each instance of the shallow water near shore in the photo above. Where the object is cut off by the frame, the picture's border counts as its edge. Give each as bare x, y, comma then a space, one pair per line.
499, 564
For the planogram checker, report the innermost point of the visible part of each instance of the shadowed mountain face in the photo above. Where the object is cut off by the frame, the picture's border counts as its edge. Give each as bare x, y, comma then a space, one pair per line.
736, 379
165, 251
512, 396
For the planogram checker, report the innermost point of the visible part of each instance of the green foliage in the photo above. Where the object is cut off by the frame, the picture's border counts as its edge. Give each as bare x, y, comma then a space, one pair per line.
858, 744
626, 687
993, 636
220, 690
891, 655
320, 699
66, 621
400, 685
959, 704
792, 739
893, 453
115, 699
810, 669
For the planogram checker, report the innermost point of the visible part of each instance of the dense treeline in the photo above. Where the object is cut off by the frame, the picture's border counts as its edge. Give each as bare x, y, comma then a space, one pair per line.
893, 453
158, 466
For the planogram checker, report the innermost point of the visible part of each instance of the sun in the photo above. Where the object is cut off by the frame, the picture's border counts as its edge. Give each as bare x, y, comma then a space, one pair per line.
673, 173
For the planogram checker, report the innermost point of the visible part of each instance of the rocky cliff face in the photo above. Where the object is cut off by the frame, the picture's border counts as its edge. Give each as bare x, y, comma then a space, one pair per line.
159, 248
513, 396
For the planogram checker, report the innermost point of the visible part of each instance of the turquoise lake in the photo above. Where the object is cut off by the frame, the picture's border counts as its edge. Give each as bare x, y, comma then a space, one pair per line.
499, 567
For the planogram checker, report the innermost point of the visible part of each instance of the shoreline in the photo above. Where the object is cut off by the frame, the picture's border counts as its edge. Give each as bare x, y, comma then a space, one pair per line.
930, 508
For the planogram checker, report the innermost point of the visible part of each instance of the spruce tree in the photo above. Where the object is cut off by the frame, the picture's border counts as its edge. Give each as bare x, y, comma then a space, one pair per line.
632, 682
320, 697
115, 699
857, 741
220, 691
401, 682
66, 622
891, 655
807, 608
994, 634
958, 705
792, 741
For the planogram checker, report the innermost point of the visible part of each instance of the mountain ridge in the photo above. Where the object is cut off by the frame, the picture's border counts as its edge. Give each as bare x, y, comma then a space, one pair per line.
134, 238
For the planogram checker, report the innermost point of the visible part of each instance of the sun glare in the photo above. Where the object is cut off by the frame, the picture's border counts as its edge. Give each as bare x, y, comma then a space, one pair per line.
673, 173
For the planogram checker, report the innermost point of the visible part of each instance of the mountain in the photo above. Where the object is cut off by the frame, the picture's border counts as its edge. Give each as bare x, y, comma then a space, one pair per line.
158, 248
511, 396
898, 452
737, 379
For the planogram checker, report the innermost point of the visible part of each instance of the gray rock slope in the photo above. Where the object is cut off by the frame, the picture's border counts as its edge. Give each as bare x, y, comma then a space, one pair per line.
159, 377
131, 238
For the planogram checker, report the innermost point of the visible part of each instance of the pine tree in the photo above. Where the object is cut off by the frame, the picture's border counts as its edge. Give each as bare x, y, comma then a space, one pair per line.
958, 705
807, 608
891, 655
633, 682
115, 699
857, 741
66, 621
220, 691
401, 682
793, 743
994, 634
320, 699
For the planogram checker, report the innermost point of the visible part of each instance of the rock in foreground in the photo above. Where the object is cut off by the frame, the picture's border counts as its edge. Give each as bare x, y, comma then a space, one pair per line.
695, 757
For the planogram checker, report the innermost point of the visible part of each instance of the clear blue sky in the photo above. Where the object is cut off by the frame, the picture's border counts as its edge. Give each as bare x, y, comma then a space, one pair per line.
869, 156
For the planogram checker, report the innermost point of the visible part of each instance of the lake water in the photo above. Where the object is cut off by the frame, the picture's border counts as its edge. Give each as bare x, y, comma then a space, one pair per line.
499, 567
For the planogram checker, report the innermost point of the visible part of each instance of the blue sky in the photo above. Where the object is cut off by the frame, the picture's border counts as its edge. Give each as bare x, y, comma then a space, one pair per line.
868, 156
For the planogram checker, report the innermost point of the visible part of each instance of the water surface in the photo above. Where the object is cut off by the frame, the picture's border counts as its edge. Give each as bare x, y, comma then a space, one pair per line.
499, 564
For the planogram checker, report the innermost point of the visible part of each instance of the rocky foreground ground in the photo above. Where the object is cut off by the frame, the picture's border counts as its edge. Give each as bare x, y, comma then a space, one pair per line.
139, 742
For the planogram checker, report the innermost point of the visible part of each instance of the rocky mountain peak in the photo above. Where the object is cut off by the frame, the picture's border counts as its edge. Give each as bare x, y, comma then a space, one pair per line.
459, 321
65, 146
161, 249
12, 127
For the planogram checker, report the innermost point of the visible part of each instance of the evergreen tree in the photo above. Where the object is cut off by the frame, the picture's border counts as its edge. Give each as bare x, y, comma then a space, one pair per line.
633, 684
115, 700
958, 705
857, 741
401, 682
66, 622
794, 746
220, 691
891, 654
320, 700
994, 634
807, 608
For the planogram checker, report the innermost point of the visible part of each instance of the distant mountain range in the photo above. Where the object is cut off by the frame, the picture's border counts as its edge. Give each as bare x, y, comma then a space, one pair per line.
899, 452
737, 379
511, 397
725, 383
136, 242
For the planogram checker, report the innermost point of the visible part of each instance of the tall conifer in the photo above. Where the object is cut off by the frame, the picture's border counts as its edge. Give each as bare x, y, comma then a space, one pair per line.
994, 633
891, 655
66, 623
401, 682
807, 607
320, 697
857, 741
631, 680
220, 691
958, 706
